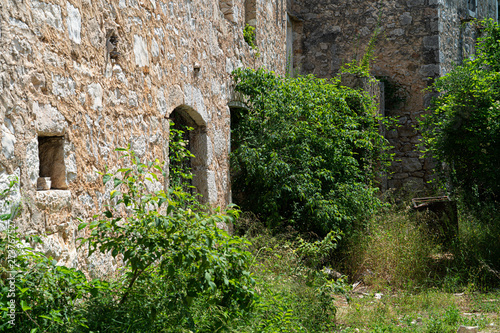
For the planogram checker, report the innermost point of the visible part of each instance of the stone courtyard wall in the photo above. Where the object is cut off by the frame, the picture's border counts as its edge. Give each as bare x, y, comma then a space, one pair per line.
407, 54
79, 78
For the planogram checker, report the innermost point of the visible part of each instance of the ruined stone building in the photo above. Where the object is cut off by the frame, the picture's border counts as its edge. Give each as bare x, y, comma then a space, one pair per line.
419, 41
79, 78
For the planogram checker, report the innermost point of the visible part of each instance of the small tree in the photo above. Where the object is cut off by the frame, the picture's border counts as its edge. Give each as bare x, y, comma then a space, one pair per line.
173, 253
462, 131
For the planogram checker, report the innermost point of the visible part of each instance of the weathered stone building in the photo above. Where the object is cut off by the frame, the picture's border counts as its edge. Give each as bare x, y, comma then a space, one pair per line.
79, 78
419, 41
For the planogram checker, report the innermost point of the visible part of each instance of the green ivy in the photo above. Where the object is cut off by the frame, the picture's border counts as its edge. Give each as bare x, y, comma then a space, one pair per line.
361, 67
306, 152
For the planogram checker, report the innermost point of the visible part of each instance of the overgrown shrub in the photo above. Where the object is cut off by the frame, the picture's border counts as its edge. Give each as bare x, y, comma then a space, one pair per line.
36, 295
175, 261
173, 253
306, 152
462, 133
463, 129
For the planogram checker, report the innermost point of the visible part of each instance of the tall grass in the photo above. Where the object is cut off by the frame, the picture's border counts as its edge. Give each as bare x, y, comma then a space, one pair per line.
476, 251
394, 251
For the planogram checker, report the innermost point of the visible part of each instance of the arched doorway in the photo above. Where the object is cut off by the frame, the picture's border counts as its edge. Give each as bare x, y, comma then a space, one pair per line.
194, 133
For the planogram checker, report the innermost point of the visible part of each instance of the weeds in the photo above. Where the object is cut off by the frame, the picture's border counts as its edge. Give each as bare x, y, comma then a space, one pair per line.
394, 251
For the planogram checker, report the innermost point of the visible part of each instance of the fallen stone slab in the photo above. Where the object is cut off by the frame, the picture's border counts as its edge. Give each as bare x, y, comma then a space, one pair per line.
468, 329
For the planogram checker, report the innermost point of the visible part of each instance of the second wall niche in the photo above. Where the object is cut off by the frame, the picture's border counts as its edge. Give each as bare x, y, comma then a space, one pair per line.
251, 13
51, 156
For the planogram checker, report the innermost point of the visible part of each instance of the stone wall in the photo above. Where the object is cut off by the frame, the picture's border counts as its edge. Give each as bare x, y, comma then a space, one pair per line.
457, 32
79, 78
407, 55
419, 41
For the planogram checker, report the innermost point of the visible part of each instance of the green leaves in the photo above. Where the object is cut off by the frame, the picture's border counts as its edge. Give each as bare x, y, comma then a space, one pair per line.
304, 151
170, 246
462, 130
47, 296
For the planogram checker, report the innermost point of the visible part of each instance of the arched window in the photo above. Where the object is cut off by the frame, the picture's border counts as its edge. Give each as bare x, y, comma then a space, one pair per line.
180, 164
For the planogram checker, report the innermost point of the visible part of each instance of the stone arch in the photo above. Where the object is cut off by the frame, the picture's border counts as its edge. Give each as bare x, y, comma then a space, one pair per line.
199, 144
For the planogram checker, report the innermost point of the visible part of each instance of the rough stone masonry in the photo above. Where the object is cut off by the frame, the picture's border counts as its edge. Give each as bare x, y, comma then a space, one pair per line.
420, 40
79, 78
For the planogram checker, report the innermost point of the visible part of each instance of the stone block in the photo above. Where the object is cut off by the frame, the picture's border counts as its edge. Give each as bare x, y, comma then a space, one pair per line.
431, 42
74, 22
43, 183
53, 201
48, 13
62, 86
406, 131
141, 51
8, 142
413, 184
406, 18
161, 102
429, 70
49, 121
95, 92
32, 161
415, 3
468, 329
411, 164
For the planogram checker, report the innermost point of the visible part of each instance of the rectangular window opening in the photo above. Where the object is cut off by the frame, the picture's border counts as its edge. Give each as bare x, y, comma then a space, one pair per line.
52, 170
472, 4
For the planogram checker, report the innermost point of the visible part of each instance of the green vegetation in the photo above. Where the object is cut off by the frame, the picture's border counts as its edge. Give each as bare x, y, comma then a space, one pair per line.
429, 311
173, 256
463, 130
249, 36
305, 152
462, 133
361, 67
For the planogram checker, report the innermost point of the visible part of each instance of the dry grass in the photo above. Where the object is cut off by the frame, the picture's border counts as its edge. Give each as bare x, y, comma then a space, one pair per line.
395, 251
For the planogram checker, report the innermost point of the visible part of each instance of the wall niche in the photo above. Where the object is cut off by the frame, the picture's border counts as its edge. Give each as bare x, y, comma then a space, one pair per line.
51, 156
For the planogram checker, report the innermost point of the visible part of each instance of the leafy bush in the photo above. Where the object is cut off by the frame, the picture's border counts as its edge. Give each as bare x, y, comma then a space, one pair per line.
175, 261
463, 129
305, 152
36, 294
172, 250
